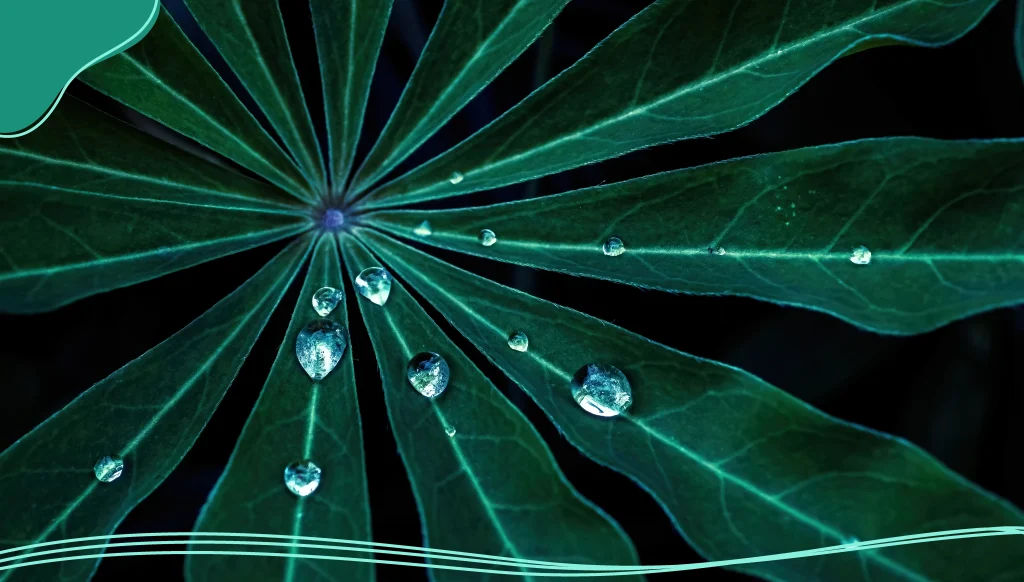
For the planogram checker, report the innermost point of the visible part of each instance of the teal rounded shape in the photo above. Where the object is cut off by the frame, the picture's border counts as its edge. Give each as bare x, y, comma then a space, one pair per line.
45, 44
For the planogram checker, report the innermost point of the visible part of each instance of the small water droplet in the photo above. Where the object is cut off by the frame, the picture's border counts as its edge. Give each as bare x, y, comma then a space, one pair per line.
778, 208
613, 247
302, 477
518, 341
325, 300
428, 373
449, 430
601, 390
319, 347
333, 219
487, 237
720, 251
456, 177
860, 256
108, 468
374, 284
792, 204
423, 229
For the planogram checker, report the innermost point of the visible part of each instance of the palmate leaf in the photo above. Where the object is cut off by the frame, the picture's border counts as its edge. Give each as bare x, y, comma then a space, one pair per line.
493, 486
348, 39
88, 204
741, 467
295, 418
167, 79
941, 219
679, 69
250, 35
471, 43
149, 412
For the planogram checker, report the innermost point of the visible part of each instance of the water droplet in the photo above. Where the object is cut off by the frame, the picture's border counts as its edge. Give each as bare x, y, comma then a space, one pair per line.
456, 177
778, 208
792, 204
319, 347
428, 373
601, 390
423, 229
720, 251
518, 341
487, 237
374, 284
302, 477
860, 256
613, 247
108, 468
333, 219
325, 300
449, 430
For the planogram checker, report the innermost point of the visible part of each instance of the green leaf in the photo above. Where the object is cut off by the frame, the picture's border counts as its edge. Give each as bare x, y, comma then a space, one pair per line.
493, 486
472, 42
295, 418
680, 69
167, 79
148, 412
1018, 38
742, 468
348, 39
88, 204
941, 219
250, 35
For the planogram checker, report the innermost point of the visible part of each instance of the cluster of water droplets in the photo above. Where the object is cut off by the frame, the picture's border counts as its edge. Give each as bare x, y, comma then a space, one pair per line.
302, 477
108, 468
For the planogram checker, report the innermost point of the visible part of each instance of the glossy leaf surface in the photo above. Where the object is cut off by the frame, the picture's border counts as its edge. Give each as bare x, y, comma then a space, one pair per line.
166, 78
149, 412
472, 42
679, 69
493, 486
250, 35
942, 221
348, 39
294, 419
88, 204
742, 468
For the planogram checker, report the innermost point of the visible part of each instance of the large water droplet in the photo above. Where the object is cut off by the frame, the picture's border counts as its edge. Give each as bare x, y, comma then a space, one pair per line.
518, 341
302, 477
374, 284
613, 247
456, 177
423, 229
861, 255
487, 237
325, 300
319, 347
601, 390
428, 373
108, 468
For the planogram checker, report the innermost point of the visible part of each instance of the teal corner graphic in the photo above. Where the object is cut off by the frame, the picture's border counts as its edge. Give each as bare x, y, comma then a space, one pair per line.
45, 44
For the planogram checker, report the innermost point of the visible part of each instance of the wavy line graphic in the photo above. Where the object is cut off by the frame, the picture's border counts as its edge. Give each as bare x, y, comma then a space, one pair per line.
26, 555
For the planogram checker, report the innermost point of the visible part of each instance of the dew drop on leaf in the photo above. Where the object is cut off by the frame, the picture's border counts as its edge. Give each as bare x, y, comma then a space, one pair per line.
333, 219
319, 347
456, 177
423, 229
108, 468
720, 251
601, 390
325, 300
861, 255
518, 341
613, 247
428, 373
449, 430
302, 477
487, 237
374, 284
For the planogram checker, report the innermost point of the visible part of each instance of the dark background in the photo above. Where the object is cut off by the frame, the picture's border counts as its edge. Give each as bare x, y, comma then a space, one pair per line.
956, 392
